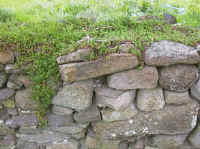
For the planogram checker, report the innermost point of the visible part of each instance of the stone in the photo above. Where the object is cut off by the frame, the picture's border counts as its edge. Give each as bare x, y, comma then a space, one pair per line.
114, 99
110, 115
3, 115
12, 111
6, 57
164, 53
194, 137
134, 79
25, 80
170, 19
8, 140
23, 120
150, 99
9, 103
74, 130
58, 110
103, 66
123, 145
178, 78
27, 145
6, 94
66, 144
126, 47
168, 142
195, 90
14, 83
177, 98
23, 99
77, 56
3, 79
12, 68
172, 120
1, 67
89, 115
5, 130
59, 120
76, 96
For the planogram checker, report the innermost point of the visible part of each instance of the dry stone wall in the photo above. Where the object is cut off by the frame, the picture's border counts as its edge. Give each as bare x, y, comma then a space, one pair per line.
108, 103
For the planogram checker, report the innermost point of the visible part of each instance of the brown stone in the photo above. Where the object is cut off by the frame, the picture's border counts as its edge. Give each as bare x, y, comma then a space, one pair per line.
6, 57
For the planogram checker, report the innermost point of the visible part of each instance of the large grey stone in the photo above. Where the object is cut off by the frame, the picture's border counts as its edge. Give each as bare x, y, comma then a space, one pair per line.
168, 142
61, 110
8, 140
59, 120
164, 53
76, 96
103, 66
195, 137
23, 99
172, 120
134, 79
66, 144
6, 57
3, 79
110, 115
89, 115
178, 78
150, 99
115, 99
177, 98
195, 90
6, 94
27, 145
77, 56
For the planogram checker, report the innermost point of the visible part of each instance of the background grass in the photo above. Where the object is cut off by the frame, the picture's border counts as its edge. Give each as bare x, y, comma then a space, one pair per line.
41, 30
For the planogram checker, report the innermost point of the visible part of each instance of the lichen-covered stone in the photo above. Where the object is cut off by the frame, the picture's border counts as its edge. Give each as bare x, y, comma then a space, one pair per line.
12, 68
76, 96
6, 57
178, 78
61, 110
59, 120
77, 56
177, 98
114, 99
3, 79
6, 94
172, 120
23, 99
8, 141
195, 90
195, 137
103, 66
89, 115
150, 99
134, 79
113, 115
168, 142
66, 144
164, 53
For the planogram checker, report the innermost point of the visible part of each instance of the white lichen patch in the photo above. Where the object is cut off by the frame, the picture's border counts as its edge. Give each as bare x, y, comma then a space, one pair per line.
113, 135
130, 121
194, 121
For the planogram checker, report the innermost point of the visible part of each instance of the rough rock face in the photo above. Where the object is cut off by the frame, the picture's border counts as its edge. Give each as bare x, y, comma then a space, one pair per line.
6, 94
103, 66
76, 96
134, 79
195, 137
114, 99
195, 90
77, 56
178, 78
177, 98
150, 99
166, 53
6, 57
158, 122
61, 110
112, 115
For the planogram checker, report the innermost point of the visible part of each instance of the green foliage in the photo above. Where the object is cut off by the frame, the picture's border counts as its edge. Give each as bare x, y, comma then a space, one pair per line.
5, 15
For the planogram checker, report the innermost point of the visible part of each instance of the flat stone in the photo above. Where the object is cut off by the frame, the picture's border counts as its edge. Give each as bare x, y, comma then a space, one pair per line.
150, 99
5, 130
178, 78
177, 98
25, 80
66, 144
6, 57
164, 53
195, 137
103, 66
77, 56
195, 90
12, 68
61, 110
168, 142
110, 115
3, 79
89, 115
23, 120
6, 94
23, 99
59, 120
134, 79
172, 120
27, 145
114, 99
8, 140
76, 96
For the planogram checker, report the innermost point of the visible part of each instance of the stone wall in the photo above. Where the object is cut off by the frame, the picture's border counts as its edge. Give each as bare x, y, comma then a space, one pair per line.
108, 103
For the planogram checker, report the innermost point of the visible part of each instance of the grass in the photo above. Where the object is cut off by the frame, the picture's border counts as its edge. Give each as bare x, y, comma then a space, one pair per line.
42, 30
